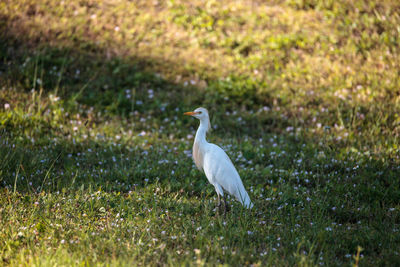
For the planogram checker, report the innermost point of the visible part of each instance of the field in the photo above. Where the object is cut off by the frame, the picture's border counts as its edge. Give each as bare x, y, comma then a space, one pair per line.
95, 153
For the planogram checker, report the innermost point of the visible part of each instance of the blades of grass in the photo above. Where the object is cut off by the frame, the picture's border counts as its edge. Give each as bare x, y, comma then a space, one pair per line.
16, 175
7, 158
339, 116
48, 171
73, 180
35, 72
61, 74
73, 99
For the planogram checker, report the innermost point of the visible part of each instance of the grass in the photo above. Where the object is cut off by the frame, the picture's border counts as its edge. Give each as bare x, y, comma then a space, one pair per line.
95, 154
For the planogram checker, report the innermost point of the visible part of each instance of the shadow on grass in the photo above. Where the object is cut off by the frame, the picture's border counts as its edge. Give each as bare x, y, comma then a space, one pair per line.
94, 76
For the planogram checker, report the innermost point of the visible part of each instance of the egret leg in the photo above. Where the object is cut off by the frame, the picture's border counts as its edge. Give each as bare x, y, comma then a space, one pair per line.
226, 205
219, 191
219, 203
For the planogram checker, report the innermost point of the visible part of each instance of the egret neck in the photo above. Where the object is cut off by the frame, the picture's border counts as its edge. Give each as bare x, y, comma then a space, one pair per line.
201, 131
200, 142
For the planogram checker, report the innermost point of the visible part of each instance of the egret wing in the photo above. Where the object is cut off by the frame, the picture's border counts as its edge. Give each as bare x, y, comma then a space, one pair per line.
219, 169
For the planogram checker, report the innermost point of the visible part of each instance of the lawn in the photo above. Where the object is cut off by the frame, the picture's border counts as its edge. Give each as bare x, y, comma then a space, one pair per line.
95, 153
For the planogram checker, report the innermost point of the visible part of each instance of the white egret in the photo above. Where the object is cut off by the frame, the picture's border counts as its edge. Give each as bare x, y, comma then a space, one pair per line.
215, 163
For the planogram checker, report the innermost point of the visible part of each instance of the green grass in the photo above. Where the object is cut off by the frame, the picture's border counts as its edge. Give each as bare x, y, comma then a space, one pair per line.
95, 165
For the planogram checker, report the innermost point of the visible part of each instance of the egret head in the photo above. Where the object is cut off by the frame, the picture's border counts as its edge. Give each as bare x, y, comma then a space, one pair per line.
202, 115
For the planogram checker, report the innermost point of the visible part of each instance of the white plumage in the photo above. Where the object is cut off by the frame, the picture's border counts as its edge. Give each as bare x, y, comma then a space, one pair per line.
215, 163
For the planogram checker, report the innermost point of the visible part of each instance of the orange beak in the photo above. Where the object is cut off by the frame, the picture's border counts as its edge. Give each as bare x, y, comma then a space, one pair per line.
190, 113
